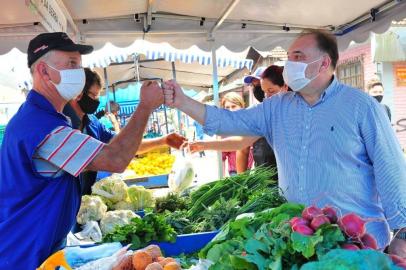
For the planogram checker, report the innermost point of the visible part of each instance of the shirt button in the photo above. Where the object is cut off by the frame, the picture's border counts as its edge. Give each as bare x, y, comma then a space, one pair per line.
304, 146
307, 127
301, 167
310, 109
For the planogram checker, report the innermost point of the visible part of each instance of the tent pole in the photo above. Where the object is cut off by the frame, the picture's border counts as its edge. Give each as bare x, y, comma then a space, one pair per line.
216, 103
114, 92
178, 111
106, 81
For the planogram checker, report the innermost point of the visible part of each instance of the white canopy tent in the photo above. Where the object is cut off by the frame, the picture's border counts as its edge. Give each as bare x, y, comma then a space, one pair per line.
236, 24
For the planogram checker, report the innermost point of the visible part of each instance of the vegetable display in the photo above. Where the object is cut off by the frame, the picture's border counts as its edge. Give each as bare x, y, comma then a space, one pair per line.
214, 204
294, 237
238, 187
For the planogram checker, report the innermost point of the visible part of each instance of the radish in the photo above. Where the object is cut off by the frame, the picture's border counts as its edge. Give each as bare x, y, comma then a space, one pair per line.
298, 220
311, 212
352, 225
331, 213
350, 246
318, 221
368, 241
302, 229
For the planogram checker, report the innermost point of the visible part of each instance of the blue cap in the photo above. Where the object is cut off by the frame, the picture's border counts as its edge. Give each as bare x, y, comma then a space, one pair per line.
256, 75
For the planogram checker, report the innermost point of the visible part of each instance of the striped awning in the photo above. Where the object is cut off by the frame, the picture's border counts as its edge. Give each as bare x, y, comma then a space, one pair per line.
152, 51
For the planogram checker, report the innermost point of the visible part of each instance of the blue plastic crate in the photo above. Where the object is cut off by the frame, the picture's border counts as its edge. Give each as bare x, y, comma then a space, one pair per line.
156, 181
187, 243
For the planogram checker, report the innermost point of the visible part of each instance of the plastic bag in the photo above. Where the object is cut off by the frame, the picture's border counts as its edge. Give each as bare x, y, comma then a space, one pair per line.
106, 263
201, 265
182, 174
101, 257
91, 231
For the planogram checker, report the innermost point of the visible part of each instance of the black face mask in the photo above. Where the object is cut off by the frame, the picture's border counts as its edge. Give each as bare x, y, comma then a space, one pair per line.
88, 105
378, 98
258, 93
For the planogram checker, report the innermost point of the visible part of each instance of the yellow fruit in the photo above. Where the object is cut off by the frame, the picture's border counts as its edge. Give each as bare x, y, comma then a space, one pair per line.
152, 164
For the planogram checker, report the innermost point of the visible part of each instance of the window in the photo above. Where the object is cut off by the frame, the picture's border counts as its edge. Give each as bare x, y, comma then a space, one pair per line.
351, 72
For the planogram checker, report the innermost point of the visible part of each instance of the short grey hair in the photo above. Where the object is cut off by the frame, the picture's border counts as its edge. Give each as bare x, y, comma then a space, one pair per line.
42, 58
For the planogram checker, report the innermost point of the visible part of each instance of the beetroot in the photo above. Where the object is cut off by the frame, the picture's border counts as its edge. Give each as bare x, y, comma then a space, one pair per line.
350, 246
402, 265
396, 259
368, 241
297, 221
311, 212
331, 213
352, 225
302, 229
318, 221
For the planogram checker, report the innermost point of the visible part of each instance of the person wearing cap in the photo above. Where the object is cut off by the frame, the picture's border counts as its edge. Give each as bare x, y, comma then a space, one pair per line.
41, 155
81, 109
270, 82
334, 144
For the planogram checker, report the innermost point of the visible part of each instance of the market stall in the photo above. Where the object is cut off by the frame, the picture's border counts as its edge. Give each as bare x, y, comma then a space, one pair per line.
272, 234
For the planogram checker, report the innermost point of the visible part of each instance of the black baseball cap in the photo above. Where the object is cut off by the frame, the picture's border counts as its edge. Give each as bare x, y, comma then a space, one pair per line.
46, 42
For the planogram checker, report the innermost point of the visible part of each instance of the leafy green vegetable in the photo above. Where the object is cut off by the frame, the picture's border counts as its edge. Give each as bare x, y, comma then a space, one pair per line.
352, 260
238, 187
171, 202
139, 232
305, 244
179, 221
263, 199
266, 241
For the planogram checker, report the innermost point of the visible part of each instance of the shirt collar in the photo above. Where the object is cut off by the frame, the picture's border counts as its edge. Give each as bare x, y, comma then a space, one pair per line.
36, 98
329, 91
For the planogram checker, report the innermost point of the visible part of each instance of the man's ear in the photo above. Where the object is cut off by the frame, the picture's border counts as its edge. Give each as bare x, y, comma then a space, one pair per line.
41, 69
326, 63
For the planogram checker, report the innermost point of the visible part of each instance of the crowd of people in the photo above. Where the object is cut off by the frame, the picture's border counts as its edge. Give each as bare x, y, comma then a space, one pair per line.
329, 142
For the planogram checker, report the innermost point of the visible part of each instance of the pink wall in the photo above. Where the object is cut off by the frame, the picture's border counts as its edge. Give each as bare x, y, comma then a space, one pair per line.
365, 51
399, 102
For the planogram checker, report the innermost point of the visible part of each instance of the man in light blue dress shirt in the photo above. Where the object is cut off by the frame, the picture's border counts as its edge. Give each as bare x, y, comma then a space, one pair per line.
333, 143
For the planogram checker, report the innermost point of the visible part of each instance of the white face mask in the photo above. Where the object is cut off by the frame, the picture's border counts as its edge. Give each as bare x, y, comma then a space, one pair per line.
294, 74
72, 82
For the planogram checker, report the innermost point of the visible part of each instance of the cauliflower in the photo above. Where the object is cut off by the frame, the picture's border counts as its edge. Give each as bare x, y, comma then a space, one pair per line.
124, 205
140, 197
112, 189
116, 218
91, 208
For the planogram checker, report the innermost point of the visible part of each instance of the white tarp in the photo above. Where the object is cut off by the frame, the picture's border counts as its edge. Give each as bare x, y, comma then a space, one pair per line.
257, 23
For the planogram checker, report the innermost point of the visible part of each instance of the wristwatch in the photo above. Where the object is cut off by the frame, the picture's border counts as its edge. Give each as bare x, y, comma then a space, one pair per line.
400, 235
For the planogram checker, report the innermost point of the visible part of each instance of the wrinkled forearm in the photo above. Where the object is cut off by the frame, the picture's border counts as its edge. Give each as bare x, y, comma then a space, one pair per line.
116, 155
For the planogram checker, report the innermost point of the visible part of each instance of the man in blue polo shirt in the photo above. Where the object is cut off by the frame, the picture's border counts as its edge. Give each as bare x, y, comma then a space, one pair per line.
42, 155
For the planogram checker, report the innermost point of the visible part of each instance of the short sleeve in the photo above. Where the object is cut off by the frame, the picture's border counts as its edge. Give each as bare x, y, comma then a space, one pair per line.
65, 149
